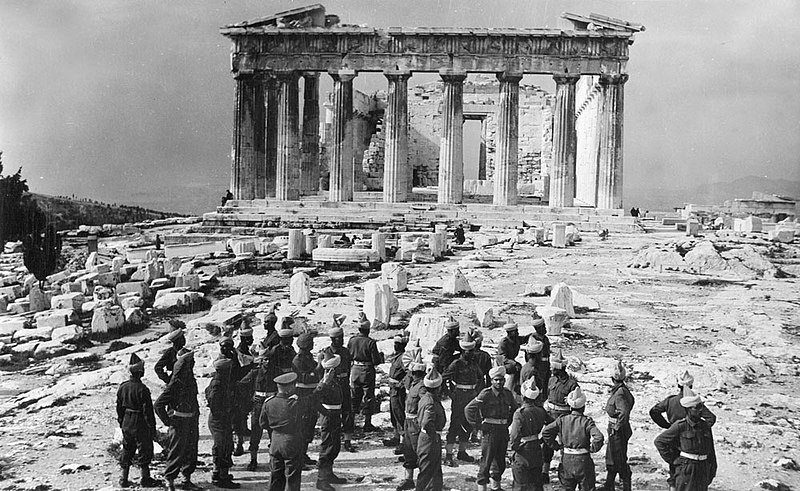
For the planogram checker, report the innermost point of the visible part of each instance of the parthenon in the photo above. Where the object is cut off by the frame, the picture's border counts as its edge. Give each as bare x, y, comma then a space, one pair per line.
275, 152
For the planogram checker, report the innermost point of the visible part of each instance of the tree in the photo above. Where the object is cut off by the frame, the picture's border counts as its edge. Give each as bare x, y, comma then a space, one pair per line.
41, 251
13, 204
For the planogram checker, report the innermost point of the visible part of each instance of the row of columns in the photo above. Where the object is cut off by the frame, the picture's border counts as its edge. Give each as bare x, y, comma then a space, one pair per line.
266, 130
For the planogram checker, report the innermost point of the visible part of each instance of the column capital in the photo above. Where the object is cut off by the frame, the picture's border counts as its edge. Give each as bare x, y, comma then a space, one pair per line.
397, 74
452, 76
566, 78
613, 78
343, 74
310, 74
509, 77
243, 74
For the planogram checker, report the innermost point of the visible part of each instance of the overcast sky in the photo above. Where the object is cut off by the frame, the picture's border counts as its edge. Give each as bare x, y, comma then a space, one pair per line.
104, 99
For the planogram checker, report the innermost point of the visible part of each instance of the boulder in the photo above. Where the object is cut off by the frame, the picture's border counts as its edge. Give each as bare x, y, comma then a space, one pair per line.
536, 290
151, 271
73, 300
134, 317
107, 319
484, 312
10, 325
584, 303
25, 349
482, 240
379, 301
3, 304
395, 275
427, 328
129, 300
422, 257
190, 281
467, 263
101, 268
168, 291
573, 235
378, 244
559, 235
139, 287
325, 241
704, 258
456, 284
20, 306
117, 263
561, 296
693, 228
66, 334
51, 349
172, 265
785, 235
56, 318
87, 282
102, 293
299, 290
91, 261
40, 333
12, 292
108, 279
57, 277
554, 318
39, 300
751, 224
71, 287
180, 300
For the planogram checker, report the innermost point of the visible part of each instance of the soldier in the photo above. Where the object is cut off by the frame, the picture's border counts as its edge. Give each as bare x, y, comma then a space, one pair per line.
397, 393
219, 395
542, 363
416, 389
447, 346
578, 437
305, 366
619, 407
365, 355
282, 355
462, 378
257, 382
560, 386
492, 409
271, 337
431, 420
526, 425
671, 406
177, 408
342, 376
509, 348
532, 349
330, 424
243, 395
689, 445
138, 424
166, 363
483, 360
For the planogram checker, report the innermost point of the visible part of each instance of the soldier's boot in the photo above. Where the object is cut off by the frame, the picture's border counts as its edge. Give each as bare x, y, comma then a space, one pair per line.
393, 441
368, 426
463, 455
123, 478
408, 482
188, 484
147, 481
449, 461
225, 480
253, 465
239, 446
626, 476
170, 485
348, 446
546, 472
483, 487
324, 485
611, 474
495, 484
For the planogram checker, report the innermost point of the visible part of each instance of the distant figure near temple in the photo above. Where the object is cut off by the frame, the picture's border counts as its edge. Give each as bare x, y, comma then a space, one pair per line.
227, 197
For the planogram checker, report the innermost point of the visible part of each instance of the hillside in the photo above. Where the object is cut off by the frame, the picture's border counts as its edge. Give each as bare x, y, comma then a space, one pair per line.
70, 213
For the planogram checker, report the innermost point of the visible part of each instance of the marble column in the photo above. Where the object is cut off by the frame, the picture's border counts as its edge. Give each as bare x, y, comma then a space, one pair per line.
247, 150
451, 150
288, 171
271, 136
341, 156
565, 142
395, 127
309, 173
507, 141
610, 126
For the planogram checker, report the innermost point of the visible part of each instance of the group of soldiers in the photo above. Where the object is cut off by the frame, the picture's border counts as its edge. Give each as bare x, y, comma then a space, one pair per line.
533, 410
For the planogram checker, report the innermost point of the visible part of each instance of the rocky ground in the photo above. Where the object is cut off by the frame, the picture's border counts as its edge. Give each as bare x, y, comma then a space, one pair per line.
736, 332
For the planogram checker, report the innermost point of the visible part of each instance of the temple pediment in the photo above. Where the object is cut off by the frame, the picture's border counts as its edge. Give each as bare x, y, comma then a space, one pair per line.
597, 22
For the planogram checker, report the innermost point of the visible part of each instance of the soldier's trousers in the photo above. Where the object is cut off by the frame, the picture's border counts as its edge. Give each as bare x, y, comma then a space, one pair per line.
133, 441
617, 451
547, 452
397, 408
256, 431
429, 459
526, 467
286, 469
347, 406
693, 475
182, 447
410, 445
494, 441
222, 448
459, 429
362, 383
576, 470
239, 418
309, 419
331, 444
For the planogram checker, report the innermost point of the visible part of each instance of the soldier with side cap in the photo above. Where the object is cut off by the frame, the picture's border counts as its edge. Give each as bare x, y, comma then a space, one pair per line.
342, 376
431, 420
560, 386
526, 426
578, 436
165, 364
282, 355
243, 395
492, 410
542, 361
416, 389
619, 407
365, 355
219, 395
689, 445
305, 366
330, 424
397, 393
462, 378
446, 347
138, 424
177, 408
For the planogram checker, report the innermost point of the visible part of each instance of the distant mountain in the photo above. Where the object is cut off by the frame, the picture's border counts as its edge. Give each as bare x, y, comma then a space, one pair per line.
68, 213
665, 199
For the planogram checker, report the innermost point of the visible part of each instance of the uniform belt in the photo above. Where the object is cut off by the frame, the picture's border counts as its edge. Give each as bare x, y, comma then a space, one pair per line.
332, 407
362, 363
181, 414
495, 421
301, 385
694, 456
393, 380
575, 451
343, 375
528, 439
129, 410
260, 394
465, 386
286, 370
612, 420
411, 415
557, 407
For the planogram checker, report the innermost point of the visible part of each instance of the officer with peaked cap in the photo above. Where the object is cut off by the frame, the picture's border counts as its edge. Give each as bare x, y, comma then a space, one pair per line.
671, 406
446, 347
492, 410
397, 392
138, 424
330, 423
618, 408
177, 408
243, 395
689, 445
365, 355
305, 366
462, 378
431, 420
342, 376
578, 436
416, 389
165, 364
526, 425
219, 395
560, 386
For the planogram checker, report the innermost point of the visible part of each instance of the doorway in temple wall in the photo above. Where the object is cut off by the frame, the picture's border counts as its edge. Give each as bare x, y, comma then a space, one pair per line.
474, 148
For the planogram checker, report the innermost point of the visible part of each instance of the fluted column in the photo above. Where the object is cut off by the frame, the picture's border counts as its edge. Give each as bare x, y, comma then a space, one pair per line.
562, 174
309, 173
341, 159
507, 141
247, 150
271, 136
610, 124
395, 127
451, 150
288, 171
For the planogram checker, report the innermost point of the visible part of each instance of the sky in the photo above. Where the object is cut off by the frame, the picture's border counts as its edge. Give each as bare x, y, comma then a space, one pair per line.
121, 100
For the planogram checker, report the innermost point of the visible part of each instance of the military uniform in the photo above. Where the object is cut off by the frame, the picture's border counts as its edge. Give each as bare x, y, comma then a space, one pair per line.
509, 348
541, 372
493, 412
137, 422
219, 395
526, 425
305, 366
560, 385
257, 382
445, 350
462, 378
365, 355
618, 408
165, 364
342, 375
431, 420
280, 359
579, 437
484, 362
689, 446
242, 393
330, 428
397, 392
415, 392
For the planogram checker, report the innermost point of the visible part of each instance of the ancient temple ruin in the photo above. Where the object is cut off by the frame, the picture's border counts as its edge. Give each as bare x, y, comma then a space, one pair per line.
276, 152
